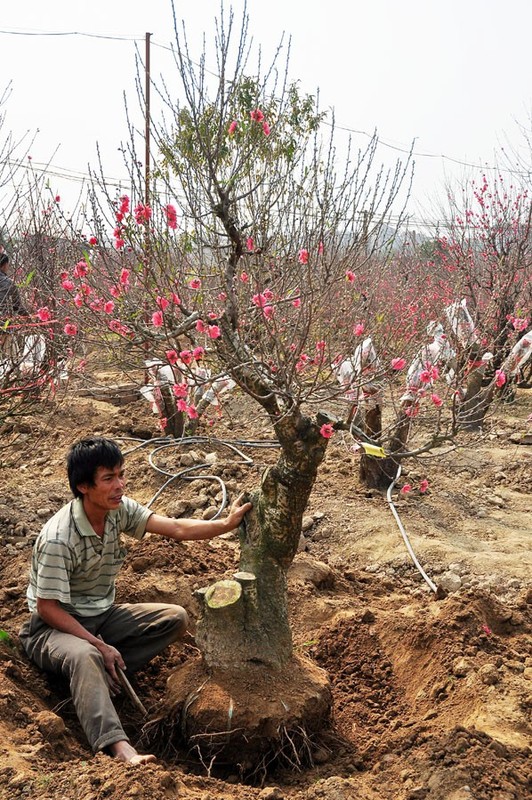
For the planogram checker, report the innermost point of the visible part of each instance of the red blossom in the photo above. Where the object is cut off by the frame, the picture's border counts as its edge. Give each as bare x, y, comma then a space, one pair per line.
171, 216
327, 430
398, 363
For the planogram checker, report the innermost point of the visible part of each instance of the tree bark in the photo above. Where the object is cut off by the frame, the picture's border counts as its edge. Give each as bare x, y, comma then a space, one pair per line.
257, 618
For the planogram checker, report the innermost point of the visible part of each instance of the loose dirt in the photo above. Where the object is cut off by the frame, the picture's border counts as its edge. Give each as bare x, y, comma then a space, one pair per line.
431, 697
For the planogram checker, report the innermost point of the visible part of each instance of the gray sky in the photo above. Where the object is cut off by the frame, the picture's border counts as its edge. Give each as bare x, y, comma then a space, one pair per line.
454, 76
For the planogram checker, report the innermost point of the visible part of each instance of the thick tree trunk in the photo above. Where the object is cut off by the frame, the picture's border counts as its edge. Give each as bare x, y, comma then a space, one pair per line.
378, 473
472, 410
256, 613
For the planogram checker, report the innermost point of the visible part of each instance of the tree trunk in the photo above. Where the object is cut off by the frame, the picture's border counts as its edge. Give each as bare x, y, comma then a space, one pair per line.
378, 473
472, 410
257, 616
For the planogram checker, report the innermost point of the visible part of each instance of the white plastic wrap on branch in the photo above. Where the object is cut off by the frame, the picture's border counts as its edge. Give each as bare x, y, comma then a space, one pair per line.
424, 368
518, 356
461, 323
197, 380
357, 373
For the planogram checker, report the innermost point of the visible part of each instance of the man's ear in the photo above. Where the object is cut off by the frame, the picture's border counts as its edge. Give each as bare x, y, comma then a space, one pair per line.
83, 488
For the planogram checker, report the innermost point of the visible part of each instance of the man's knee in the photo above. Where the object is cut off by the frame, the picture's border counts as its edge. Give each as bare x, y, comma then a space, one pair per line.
177, 620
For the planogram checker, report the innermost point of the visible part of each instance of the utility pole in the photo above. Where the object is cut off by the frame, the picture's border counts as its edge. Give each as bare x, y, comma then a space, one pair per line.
147, 124
147, 242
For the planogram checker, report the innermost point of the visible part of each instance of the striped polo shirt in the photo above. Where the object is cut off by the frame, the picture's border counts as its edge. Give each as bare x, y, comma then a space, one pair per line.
72, 564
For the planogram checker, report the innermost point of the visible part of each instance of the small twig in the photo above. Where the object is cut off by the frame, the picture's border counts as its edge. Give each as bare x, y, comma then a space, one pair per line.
129, 690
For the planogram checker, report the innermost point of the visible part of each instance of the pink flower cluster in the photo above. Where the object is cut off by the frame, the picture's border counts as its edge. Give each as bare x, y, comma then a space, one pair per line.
256, 116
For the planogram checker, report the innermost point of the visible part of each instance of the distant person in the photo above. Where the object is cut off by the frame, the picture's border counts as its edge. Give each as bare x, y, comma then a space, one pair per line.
11, 304
75, 628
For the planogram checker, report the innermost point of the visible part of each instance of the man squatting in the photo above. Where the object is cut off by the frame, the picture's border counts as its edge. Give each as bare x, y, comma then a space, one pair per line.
75, 628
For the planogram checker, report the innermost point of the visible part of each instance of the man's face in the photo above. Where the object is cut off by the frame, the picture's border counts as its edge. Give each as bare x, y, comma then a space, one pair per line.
107, 490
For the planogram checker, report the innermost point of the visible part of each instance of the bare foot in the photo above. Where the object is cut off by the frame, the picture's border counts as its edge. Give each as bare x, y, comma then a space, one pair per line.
123, 751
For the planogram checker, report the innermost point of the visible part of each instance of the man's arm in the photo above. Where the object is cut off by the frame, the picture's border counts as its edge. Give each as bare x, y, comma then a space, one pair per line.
196, 529
54, 615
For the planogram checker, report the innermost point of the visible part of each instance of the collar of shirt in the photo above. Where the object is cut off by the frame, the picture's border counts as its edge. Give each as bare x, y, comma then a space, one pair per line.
82, 523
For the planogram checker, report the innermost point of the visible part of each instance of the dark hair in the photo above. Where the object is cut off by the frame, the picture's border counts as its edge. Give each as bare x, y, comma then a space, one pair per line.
86, 456
4, 259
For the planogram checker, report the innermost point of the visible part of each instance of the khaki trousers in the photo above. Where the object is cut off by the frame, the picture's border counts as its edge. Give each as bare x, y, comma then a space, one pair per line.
138, 631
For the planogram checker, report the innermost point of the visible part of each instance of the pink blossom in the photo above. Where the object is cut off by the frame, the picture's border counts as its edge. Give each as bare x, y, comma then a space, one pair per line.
425, 376
181, 404
171, 356
320, 346
93, 241
124, 277
350, 276
358, 329
250, 244
116, 326
119, 243
142, 214
259, 300
398, 363
268, 294
186, 357
70, 329
78, 300
266, 129
302, 256
201, 327
44, 314
423, 486
518, 323
327, 430
436, 399
191, 412
244, 277
171, 216
222, 296
320, 249
115, 291
198, 353
487, 630
232, 127
180, 390
268, 311
500, 378
57, 198
157, 319
257, 115
214, 331
124, 204
109, 307
68, 285
176, 299
162, 302
406, 488
297, 302
195, 283
163, 422
81, 269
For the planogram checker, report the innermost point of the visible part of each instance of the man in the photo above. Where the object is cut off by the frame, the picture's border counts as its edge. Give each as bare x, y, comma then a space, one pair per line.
75, 628
11, 304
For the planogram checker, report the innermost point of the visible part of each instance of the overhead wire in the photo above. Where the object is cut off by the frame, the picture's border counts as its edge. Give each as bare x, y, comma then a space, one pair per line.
406, 150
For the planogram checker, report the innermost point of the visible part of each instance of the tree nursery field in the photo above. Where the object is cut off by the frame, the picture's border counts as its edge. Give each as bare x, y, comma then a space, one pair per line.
430, 692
